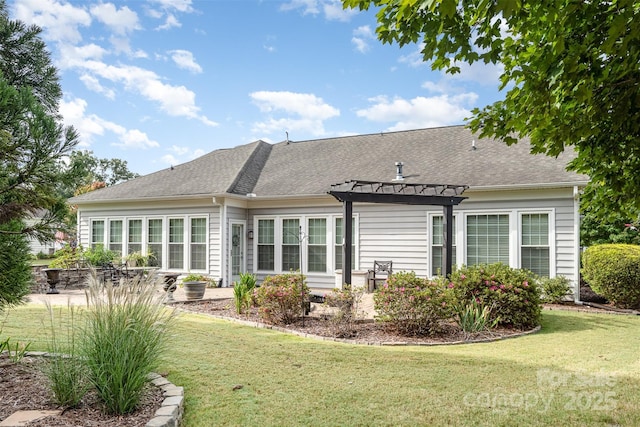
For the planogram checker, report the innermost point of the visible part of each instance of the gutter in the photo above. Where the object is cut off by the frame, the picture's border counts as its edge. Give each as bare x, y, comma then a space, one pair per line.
527, 186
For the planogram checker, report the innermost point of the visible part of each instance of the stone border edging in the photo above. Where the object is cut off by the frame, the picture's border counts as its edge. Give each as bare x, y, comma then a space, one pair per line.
172, 407
260, 325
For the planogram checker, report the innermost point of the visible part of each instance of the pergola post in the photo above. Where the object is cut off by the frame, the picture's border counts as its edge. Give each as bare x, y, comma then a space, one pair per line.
447, 240
347, 232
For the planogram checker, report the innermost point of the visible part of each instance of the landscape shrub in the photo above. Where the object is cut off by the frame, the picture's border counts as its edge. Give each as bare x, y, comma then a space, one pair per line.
98, 255
65, 369
474, 317
243, 292
346, 303
124, 338
66, 257
512, 294
280, 298
411, 305
554, 290
613, 271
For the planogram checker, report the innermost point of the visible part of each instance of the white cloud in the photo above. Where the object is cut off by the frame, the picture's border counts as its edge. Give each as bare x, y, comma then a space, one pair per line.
91, 125
479, 72
94, 85
59, 20
361, 38
309, 112
180, 151
309, 7
185, 60
178, 5
134, 138
413, 58
334, 11
170, 22
169, 159
73, 56
122, 21
173, 100
419, 112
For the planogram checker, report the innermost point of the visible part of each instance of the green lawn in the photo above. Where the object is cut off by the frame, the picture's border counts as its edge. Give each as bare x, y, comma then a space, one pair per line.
581, 369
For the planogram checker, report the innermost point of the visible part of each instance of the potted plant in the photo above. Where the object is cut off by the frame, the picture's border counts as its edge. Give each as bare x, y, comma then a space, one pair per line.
138, 259
194, 286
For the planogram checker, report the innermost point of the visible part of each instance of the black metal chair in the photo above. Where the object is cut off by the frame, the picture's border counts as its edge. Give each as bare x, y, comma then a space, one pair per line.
380, 273
114, 273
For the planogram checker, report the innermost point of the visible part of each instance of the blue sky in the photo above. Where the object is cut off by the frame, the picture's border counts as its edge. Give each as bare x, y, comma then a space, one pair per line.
160, 82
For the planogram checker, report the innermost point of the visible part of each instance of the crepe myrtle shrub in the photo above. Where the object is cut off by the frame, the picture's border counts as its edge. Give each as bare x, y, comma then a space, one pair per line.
279, 298
410, 305
512, 294
345, 303
613, 271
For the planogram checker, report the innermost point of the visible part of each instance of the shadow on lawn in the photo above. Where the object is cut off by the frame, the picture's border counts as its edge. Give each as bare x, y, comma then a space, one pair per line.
556, 321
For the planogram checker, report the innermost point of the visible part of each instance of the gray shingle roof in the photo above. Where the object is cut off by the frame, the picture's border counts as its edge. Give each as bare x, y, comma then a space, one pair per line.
213, 173
431, 156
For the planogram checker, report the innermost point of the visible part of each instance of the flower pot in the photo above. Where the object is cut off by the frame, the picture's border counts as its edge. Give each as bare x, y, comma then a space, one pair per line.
194, 290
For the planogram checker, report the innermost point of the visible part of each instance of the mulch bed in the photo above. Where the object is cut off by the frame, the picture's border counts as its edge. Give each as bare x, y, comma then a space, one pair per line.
318, 324
23, 386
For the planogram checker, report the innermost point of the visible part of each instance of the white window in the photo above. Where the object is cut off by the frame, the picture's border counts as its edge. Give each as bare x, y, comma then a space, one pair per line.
176, 243
198, 244
290, 244
338, 241
115, 236
437, 230
487, 239
284, 243
97, 233
534, 249
317, 245
266, 244
134, 242
154, 241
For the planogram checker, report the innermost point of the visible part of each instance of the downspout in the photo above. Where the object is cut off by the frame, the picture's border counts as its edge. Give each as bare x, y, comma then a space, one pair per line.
223, 237
576, 239
78, 228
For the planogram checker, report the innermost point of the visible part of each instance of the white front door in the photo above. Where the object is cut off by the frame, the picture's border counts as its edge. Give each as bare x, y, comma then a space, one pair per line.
237, 251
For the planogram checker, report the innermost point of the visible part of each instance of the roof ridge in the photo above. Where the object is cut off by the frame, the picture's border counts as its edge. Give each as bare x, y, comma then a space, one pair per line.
248, 176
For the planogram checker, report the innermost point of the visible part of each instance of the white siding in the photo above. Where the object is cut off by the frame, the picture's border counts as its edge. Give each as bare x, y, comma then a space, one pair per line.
385, 232
400, 232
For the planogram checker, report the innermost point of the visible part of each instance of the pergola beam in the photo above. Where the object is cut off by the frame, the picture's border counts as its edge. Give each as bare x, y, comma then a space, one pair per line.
444, 195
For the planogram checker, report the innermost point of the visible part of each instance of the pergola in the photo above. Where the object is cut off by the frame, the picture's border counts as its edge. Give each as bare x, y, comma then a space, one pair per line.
444, 195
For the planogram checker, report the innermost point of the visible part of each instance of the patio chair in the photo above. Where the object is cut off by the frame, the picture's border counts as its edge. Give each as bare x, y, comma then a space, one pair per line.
114, 273
379, 274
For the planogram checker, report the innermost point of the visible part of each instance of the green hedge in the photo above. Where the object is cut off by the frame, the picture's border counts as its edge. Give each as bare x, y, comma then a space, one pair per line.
613, 271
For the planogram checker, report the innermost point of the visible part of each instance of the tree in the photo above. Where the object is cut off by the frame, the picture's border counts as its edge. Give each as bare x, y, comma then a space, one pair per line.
613, 229
15, 270
571, 77
85, 172
33, 143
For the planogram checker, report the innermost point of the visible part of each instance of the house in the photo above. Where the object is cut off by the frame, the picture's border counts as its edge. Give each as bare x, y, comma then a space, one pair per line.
262, 208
